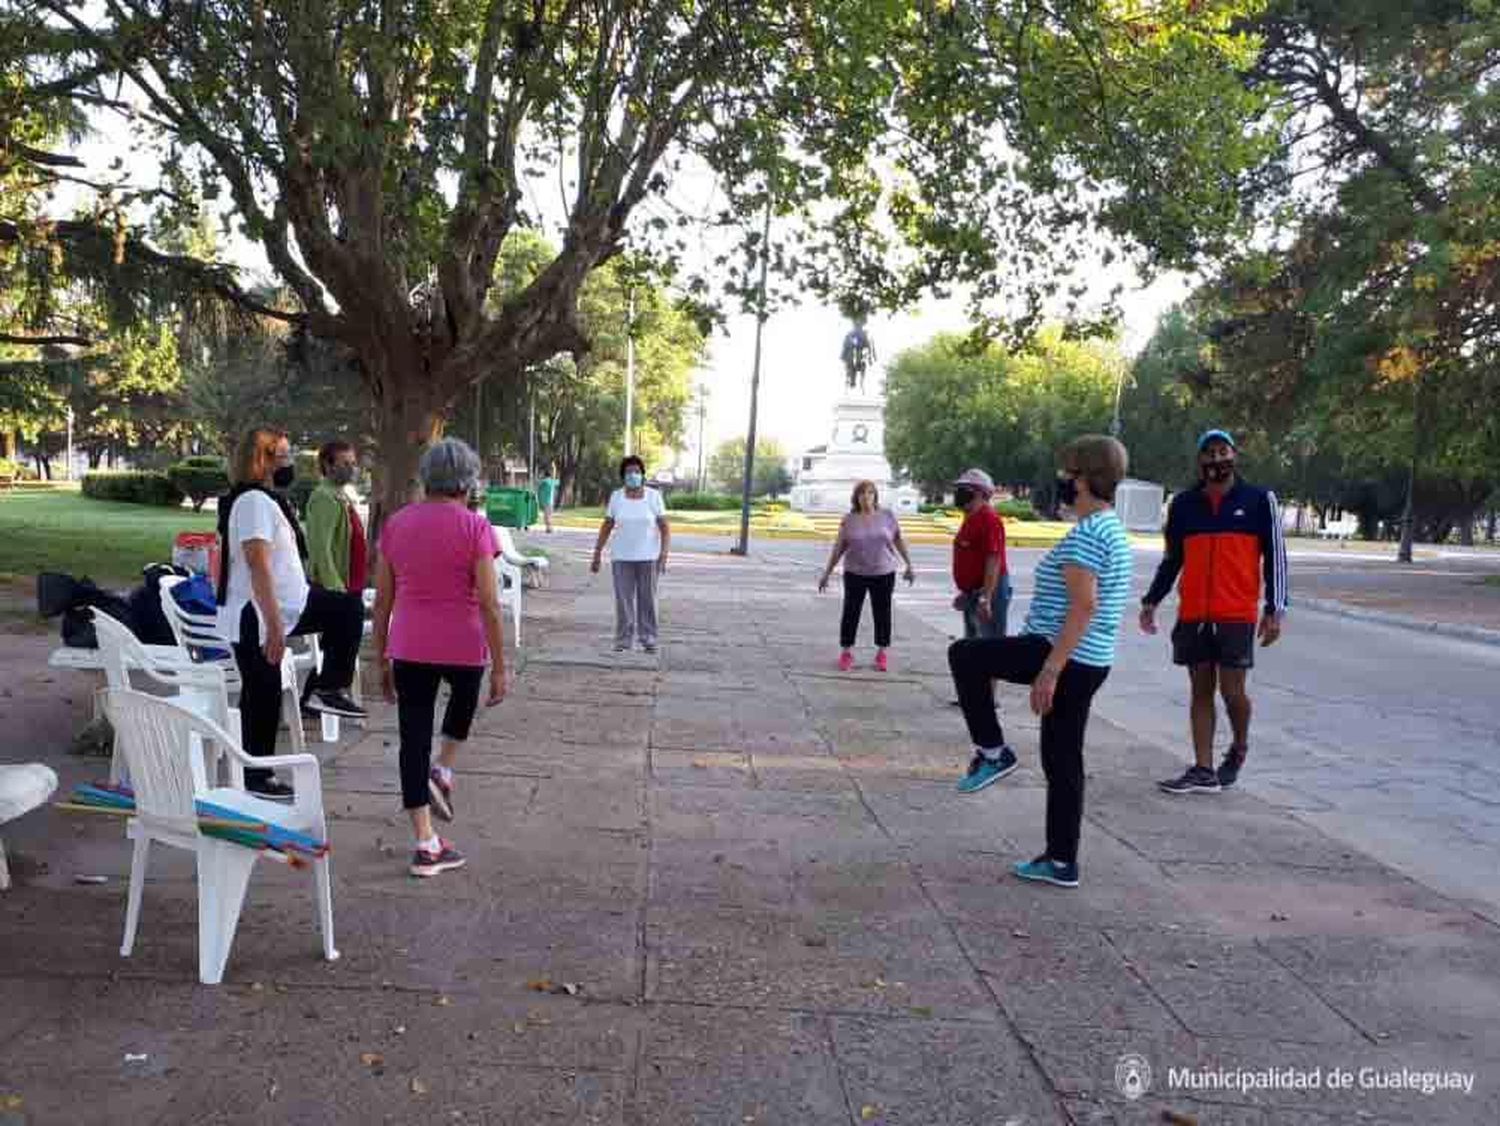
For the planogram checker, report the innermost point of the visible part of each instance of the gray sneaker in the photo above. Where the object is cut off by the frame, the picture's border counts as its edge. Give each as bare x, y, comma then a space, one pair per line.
1194, 780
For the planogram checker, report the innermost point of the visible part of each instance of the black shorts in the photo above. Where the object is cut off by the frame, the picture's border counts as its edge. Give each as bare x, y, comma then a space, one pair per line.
1230, 645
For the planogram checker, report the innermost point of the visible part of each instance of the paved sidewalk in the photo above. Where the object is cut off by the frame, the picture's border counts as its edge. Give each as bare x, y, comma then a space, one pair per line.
1451, 592
773, 907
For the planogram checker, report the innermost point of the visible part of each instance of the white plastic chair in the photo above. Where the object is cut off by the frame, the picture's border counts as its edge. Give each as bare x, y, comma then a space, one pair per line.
161, 740
23, 787
508, 581
198, 635
533, 567
200, 688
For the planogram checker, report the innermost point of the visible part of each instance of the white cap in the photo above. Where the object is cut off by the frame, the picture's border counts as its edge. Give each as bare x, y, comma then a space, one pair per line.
976, 479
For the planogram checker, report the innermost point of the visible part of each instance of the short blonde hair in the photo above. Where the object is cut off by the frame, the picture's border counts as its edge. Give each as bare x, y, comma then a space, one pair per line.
860, 486
255, 458
1101, 461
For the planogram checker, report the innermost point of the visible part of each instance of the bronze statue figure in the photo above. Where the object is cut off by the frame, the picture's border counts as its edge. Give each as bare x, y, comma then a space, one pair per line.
858, 353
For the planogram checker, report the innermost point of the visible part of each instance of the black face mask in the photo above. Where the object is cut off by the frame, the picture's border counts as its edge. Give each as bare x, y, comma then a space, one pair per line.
1067, 491
962, 496
284, 476
1218, 471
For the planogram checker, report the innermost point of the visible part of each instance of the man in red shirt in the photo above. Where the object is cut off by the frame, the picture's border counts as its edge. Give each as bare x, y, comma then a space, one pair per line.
979, 569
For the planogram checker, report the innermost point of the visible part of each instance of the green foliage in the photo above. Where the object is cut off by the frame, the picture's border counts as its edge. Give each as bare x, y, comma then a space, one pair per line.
952, 405
199, 478
1017, 510
1161, 413
305, 481
726, 467
9, 470
580, 404
704, 502
133, 488
382, 160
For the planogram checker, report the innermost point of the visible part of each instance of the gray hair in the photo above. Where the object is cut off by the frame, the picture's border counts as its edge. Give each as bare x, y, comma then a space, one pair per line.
449, 467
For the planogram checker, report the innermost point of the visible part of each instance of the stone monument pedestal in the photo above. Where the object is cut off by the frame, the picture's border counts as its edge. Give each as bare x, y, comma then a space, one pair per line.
826, 476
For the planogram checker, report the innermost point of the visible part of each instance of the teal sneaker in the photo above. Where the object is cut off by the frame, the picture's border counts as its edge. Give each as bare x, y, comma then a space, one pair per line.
1048, 871
984, 771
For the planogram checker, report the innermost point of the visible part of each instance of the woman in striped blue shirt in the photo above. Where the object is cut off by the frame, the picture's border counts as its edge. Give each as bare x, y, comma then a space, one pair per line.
1064, 652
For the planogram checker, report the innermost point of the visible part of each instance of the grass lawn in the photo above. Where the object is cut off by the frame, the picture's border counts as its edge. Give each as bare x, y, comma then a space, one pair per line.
68, 532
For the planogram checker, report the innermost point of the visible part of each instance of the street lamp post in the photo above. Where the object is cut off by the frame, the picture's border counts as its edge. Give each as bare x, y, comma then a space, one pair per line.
702, 413
70, 443
630, 373
760, 324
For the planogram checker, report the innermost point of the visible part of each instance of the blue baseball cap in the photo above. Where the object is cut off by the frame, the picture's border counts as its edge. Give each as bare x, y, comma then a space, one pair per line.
1216, 436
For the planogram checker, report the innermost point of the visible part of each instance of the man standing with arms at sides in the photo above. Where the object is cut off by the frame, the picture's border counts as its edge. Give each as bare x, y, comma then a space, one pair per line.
547, 490
1224, 538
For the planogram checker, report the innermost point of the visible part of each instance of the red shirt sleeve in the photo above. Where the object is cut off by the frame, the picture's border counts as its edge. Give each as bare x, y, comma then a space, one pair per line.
1000, 541
994, 535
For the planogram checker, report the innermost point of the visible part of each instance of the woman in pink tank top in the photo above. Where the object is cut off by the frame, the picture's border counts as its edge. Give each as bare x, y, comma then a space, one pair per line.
437, 620
869, 543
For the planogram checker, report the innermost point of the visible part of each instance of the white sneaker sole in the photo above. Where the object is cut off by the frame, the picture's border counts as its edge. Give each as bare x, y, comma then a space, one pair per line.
440, 803
426, 871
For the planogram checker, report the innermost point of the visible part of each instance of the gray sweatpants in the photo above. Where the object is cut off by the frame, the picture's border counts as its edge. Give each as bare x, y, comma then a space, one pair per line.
635, 601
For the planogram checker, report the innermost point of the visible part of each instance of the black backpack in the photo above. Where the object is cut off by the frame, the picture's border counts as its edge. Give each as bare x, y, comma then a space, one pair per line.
147, 618
74, 599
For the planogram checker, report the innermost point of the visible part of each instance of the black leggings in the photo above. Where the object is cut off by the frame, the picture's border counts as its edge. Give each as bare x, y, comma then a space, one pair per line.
880, 587
339, 618
976, 662
416, 696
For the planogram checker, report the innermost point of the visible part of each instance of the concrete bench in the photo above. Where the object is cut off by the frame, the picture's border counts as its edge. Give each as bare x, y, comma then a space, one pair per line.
23, 787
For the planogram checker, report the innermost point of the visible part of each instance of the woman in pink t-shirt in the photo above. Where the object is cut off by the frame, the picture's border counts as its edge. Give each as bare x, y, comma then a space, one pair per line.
437, 618
869, 542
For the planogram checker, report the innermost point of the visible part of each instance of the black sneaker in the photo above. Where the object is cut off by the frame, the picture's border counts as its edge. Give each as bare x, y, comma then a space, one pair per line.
273, 788
336, 703
424, 863
1229, 769
442, 795
1194, 780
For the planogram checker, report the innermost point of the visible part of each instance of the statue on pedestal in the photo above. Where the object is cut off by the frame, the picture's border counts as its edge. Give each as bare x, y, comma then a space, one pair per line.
858, 353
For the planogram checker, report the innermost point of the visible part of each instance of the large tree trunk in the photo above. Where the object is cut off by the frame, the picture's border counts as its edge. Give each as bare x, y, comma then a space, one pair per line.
8, 445
405, 427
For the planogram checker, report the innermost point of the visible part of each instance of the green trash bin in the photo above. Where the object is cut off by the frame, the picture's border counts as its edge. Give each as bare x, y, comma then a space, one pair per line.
511, 507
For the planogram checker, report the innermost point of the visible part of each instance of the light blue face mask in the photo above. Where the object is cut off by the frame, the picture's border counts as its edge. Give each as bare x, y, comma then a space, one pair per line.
634, 479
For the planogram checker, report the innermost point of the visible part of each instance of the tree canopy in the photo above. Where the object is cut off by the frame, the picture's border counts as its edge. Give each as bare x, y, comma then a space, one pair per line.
379, 155
952, 405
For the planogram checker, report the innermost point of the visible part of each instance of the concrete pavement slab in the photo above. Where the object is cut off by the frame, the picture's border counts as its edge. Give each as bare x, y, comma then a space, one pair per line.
762, 900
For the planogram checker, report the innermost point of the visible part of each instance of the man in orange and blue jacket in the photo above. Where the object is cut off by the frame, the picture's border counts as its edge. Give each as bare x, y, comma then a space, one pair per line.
1224, 538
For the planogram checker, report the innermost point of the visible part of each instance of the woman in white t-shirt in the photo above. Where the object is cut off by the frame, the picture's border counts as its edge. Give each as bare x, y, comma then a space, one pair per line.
264, 598
637, 518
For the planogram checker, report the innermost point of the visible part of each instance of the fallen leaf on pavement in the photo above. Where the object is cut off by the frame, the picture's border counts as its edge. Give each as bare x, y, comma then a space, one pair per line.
868, 1112
547, 985
371, 1059
444, 1001
418, 1086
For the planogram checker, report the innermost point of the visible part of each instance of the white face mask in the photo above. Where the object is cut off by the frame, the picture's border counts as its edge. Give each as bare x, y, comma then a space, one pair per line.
634, 479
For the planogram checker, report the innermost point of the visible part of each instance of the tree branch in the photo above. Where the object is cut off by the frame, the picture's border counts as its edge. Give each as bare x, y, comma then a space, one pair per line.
44, 341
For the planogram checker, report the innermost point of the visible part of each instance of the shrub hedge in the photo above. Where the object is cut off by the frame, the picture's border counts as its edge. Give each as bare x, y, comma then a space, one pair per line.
703, 502
133, 488
200, 478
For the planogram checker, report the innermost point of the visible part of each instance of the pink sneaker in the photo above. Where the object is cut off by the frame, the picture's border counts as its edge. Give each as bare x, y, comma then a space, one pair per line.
846, 661
881, 665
